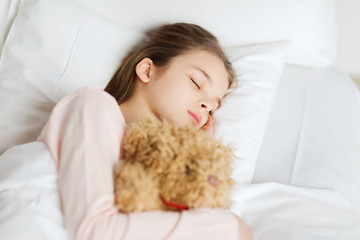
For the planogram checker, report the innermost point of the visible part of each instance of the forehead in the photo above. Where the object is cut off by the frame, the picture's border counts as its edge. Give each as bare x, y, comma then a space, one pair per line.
205, 61
201, 58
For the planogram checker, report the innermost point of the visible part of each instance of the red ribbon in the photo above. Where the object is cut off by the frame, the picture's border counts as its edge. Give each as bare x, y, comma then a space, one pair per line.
174, 205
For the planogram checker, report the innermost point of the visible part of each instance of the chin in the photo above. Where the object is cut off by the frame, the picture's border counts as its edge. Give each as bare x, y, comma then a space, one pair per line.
182, 123
179, 122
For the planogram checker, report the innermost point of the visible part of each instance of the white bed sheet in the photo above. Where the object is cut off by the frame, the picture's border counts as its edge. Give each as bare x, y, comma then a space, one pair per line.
313, 134
285, 212
306, 183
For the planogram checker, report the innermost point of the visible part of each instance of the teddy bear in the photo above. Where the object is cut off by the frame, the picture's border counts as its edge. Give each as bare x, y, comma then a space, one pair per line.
166, 167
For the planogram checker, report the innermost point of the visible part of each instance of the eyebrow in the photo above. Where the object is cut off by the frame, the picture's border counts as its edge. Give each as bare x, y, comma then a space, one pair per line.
204, 73
209, 80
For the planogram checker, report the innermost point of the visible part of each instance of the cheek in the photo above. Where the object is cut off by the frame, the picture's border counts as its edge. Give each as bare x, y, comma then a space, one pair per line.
172, 99
172, 108
178, 96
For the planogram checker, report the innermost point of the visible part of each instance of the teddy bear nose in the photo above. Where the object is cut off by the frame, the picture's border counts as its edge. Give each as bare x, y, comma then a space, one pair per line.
213, 180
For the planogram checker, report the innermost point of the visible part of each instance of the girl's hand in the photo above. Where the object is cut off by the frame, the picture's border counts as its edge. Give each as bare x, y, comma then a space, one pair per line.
208, 127
245, 231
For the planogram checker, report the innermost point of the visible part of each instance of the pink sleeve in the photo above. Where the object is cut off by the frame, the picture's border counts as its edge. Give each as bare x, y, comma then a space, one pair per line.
83, 135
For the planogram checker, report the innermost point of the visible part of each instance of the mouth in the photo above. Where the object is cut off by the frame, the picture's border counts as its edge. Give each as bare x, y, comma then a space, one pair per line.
196, 118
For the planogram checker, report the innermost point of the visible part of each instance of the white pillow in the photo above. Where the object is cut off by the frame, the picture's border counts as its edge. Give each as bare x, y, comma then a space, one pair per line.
8, 10
309, 24
243, 117
53, 48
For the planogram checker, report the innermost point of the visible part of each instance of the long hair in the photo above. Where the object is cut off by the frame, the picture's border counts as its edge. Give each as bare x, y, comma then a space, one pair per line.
165, 43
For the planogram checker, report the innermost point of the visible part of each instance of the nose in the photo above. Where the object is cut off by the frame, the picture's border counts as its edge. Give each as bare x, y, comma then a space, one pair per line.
213, 180
207, 106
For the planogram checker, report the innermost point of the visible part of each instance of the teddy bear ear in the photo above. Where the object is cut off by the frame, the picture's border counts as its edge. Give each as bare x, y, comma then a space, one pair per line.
140, 142
134, 143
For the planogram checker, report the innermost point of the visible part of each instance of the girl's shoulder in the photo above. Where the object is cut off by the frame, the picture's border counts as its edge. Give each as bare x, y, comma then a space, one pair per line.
91, 95
89, 100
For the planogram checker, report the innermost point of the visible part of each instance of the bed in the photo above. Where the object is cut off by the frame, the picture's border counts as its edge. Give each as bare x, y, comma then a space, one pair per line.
306, 181
294, 119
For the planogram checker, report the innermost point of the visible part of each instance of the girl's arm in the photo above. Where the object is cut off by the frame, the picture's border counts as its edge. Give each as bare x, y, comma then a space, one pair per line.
84, 134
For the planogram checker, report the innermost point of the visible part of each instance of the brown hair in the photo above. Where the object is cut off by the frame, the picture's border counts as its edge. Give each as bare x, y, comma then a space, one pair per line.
165, 43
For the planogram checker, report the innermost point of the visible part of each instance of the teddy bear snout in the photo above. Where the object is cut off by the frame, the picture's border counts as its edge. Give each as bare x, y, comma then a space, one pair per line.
213, 180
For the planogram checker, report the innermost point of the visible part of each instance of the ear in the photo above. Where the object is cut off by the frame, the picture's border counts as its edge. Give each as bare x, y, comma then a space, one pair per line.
144, 69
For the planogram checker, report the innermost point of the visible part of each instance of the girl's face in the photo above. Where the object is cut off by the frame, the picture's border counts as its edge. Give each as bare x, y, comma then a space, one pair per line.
188, 90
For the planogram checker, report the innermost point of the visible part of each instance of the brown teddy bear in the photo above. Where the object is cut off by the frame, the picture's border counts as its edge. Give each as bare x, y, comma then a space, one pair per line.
172, 168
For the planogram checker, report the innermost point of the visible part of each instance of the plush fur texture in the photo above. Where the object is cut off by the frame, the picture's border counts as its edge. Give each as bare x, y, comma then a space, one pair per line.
177, 164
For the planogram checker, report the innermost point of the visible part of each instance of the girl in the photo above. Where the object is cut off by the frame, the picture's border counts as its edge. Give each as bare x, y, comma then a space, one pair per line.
180, 74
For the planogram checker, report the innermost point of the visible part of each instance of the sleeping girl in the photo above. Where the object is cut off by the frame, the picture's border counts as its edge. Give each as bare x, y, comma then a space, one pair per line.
180, 74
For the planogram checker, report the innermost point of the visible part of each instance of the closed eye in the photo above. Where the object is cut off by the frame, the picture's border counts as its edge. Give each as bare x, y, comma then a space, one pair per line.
195, 83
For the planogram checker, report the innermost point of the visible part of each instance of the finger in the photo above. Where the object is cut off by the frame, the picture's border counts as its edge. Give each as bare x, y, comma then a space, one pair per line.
208, 127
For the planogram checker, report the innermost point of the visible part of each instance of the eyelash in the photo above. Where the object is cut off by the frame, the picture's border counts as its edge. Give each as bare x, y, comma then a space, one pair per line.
195, 83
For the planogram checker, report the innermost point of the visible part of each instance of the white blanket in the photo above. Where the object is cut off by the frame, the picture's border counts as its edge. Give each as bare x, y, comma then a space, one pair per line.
30, 208
279, 211
29, 201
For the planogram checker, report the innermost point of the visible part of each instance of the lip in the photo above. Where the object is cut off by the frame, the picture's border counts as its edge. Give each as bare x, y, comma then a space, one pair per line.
195, 117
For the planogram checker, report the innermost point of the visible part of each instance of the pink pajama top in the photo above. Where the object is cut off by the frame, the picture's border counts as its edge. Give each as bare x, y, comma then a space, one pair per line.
83, 135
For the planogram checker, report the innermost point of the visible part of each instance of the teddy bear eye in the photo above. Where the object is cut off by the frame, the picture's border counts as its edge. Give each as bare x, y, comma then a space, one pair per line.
187, 171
